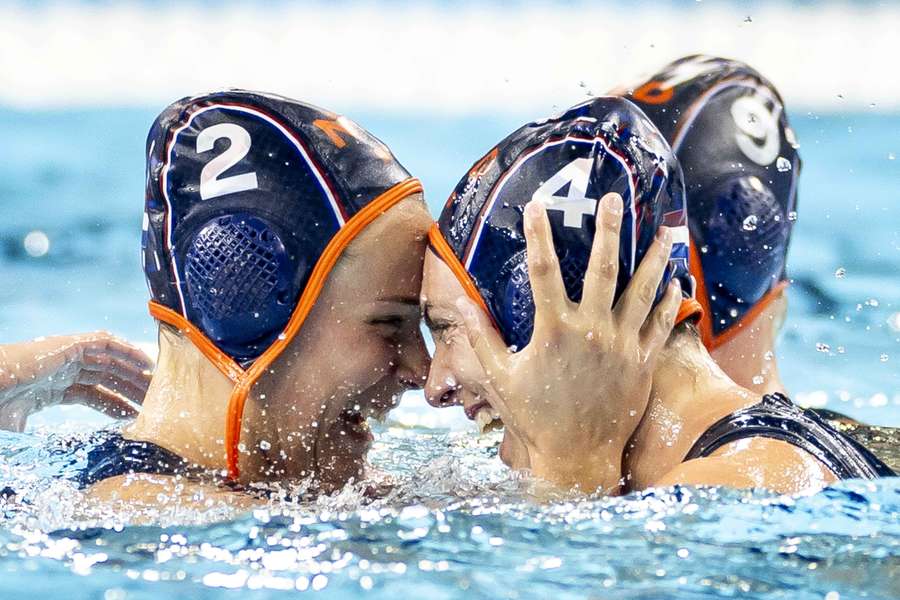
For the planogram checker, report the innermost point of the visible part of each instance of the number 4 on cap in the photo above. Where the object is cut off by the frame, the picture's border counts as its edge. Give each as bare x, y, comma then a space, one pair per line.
575, 204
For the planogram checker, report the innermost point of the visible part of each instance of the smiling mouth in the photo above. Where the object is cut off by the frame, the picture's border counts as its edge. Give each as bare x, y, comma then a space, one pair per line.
486, 418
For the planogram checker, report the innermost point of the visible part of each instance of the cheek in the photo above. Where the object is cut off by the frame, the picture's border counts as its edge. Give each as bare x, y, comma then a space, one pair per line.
464, 363
361, 358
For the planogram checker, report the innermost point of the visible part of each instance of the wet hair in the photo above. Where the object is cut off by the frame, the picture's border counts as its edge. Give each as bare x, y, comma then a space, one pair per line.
728, 127
568, 162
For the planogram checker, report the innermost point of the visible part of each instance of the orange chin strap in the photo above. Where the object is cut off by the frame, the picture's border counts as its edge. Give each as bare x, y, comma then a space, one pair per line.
244, 379
689, 306
705, 325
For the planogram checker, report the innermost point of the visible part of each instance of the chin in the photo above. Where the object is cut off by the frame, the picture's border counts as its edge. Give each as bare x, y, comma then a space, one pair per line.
513, 453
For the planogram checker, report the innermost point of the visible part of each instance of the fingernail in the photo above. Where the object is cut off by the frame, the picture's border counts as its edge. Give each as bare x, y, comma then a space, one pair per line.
664, 234
614, 204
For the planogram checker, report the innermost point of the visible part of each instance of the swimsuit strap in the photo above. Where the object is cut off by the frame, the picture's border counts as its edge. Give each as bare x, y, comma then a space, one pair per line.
117, 455
776, 417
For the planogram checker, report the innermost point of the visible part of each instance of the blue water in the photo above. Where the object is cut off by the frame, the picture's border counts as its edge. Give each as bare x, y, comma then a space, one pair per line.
456, 524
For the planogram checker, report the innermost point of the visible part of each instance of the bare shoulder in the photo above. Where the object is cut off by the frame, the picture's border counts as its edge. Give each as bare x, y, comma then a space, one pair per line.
143, 490
755, 463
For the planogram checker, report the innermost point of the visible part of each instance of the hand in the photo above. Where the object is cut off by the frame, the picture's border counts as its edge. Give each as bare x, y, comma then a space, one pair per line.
94, 369
577, 391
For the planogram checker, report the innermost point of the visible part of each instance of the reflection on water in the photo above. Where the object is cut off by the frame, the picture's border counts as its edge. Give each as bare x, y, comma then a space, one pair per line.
454, 523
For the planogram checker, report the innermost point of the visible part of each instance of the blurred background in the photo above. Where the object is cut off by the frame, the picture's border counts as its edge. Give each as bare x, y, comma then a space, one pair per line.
440, 83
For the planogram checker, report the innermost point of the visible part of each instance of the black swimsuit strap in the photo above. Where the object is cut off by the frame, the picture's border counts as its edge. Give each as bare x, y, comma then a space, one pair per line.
776, 417
119, 456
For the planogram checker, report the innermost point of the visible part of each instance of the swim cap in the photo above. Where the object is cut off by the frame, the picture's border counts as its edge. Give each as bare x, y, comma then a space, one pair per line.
728, 127
568, 163
250, 200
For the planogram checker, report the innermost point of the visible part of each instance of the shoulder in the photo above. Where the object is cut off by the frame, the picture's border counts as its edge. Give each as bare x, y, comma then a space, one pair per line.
756, 462
142, 491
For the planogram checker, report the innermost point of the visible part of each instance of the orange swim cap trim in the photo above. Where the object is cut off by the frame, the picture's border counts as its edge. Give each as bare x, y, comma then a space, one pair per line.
445, 252
245, 379
710, 340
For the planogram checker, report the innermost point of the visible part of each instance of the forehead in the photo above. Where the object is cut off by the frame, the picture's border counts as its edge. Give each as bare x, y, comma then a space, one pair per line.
440, 287
386, 257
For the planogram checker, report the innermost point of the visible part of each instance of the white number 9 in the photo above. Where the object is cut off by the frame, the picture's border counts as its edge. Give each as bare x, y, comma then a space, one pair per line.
210, 184
757, 135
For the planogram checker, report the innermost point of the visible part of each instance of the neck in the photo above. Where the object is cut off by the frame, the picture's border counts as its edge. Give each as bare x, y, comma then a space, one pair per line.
748, 357
689, 394
185, 407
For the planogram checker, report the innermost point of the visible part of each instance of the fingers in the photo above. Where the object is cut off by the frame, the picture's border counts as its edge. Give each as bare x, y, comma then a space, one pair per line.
492, 353
101, 400
117, 375
603, 268
543, 266
658, 328
634, 305
105, 344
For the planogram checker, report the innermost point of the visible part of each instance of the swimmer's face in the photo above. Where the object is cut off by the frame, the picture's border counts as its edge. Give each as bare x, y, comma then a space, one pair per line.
456, 378
358, 351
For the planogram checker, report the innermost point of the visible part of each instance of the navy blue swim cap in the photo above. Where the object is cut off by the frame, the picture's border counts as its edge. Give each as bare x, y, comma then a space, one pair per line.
251, 198
728, 127
569, 163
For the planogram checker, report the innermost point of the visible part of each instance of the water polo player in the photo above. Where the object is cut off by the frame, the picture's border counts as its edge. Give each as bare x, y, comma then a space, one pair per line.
576, 398
729, 129
283, 249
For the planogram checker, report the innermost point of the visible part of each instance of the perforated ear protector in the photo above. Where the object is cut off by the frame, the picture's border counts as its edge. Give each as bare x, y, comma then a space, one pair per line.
239, 277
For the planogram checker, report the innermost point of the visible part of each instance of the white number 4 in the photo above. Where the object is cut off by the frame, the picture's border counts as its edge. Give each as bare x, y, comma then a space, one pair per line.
575, 204
210, 184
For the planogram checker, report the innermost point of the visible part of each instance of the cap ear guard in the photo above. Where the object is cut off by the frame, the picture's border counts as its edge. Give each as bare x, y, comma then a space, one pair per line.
240, 281
742, 250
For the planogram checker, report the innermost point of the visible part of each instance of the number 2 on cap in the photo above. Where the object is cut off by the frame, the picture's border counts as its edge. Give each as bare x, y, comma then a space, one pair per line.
210, 184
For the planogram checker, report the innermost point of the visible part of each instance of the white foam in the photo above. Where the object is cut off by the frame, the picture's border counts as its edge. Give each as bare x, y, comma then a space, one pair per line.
434, 58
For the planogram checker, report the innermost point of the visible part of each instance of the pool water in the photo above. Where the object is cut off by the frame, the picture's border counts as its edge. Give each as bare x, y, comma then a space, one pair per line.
455, 523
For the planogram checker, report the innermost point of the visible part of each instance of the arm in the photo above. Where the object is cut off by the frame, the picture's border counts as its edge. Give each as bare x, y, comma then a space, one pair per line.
95, 369
754, 463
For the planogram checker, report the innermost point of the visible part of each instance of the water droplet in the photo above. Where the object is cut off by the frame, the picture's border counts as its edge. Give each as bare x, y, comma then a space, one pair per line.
894, 321
265, 445
36, 243
884, 357
891, 156
872, 302
589, 335
782, 164
792, 215
769, 355
840, 272
841, 349
281, 336
733, 313
822, 347
750, 223
748, 19
758, 379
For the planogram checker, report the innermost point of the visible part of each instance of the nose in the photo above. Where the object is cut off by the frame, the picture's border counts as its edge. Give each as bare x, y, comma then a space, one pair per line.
414, 363
441, 387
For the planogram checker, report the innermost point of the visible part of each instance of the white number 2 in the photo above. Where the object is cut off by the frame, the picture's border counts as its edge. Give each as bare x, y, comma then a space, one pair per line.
210, 184
575, 204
